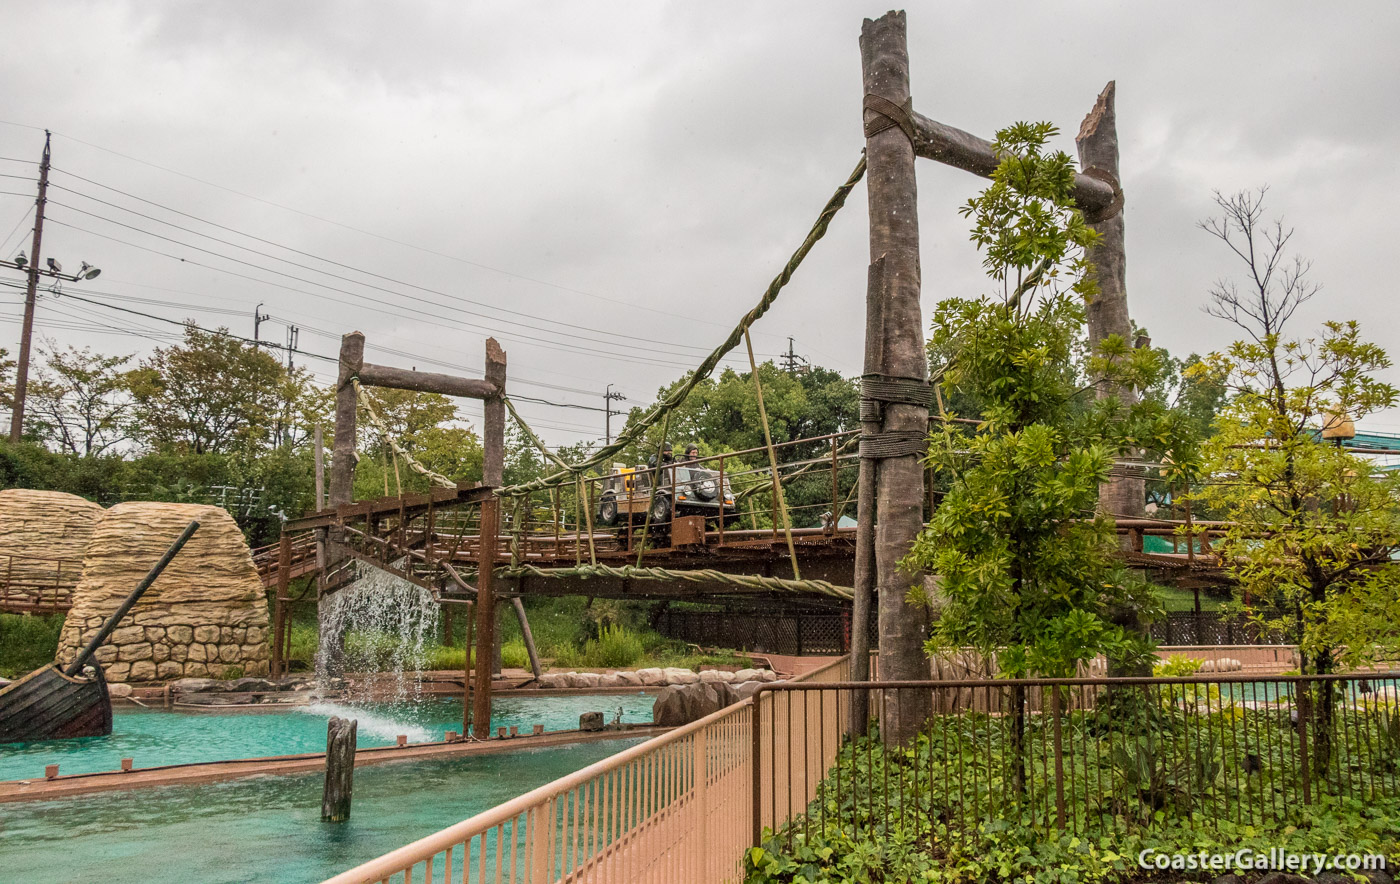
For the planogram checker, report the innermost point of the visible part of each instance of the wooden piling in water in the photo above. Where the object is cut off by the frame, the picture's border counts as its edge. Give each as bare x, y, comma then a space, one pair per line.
340, 769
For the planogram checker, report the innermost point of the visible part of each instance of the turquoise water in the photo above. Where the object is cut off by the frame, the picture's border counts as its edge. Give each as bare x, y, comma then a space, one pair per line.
152, 738
264, 829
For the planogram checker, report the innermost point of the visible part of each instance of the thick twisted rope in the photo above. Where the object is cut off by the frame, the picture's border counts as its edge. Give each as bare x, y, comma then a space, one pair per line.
368, 402
738, 581
633, 432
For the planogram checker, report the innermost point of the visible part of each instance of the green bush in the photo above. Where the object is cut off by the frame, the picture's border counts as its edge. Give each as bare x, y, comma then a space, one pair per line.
27, 641
514, 655
1177, 667
616, 645
440, 657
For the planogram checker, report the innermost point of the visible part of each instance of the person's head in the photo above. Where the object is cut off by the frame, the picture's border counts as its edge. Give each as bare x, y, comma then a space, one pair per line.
666, 449
692, 451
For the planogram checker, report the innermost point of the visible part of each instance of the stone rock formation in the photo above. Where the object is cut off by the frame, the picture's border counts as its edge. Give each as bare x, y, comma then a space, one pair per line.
205, 616
40, 528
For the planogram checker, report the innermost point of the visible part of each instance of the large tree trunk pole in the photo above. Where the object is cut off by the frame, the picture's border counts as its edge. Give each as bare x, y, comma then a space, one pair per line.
865, 577
352, 357
493, 443
1108, 312
340, 770
1121, 496
894, 237
485, 617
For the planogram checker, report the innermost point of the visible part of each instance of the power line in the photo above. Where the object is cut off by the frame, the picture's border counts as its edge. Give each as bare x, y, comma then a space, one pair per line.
368, 233
396, 312
369, 273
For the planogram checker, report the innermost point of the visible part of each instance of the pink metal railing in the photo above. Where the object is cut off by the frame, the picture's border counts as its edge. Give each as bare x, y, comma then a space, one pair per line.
675, 808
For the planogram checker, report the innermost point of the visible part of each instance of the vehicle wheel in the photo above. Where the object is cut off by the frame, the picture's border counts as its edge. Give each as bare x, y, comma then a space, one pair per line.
661, 510
607, 511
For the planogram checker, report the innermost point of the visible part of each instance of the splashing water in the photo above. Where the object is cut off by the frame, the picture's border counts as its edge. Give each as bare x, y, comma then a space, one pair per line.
388, 624
371, 722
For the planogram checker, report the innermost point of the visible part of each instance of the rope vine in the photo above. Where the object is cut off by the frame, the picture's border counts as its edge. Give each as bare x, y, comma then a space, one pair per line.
703, 371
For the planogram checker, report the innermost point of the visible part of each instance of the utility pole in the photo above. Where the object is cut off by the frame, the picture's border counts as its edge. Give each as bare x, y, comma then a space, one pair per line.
793, 363
293, 338
22, 369
609, 398
259, 318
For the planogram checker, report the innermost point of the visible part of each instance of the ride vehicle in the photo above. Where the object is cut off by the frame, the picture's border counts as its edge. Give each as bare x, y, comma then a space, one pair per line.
682, 490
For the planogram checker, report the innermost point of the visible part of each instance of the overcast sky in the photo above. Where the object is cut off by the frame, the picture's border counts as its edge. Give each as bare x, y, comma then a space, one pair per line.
606, 187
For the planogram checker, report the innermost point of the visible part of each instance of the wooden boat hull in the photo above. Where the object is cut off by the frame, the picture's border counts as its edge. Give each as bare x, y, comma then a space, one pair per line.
48, 705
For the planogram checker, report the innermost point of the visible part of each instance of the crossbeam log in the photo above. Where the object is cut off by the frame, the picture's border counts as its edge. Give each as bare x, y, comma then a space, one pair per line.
963, 150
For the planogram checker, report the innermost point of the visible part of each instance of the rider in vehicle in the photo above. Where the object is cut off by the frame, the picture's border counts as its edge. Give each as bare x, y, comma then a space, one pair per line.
692, 454
667, 458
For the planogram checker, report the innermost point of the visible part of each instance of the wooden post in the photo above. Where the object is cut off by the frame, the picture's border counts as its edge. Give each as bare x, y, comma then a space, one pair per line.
447, 637
894, 241
493, 441
493, 424
467, 675
1097, 141
485, 617
340, 769
318, 445
529, 636
342, 491
352, 357
279, 608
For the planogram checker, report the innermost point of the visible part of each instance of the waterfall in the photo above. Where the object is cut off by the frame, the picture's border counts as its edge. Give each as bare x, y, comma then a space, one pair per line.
388, 625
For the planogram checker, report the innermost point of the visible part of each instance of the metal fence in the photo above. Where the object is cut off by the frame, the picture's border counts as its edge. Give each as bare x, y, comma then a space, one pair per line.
1211, 628
675, 808
1087, 756
778, 630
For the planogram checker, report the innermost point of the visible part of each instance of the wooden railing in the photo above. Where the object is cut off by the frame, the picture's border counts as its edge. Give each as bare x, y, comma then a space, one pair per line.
675, 808
265, 558
30, 584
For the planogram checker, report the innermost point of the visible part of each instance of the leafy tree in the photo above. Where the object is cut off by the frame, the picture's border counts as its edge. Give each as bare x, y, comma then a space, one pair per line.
1311, 528
721, 415
82, 400
7, 384
210, 393
1026, 568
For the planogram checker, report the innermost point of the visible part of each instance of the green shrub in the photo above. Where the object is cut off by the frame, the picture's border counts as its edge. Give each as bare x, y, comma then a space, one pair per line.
514, 655
616, 645
439, 657
1176, 667
27, 641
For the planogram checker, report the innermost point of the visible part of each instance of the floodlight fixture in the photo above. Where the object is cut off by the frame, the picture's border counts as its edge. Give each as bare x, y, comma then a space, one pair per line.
21, 260
87, 271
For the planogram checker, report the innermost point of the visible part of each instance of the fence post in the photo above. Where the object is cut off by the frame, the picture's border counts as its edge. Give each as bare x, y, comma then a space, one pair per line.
1304, 762
541, 862
1055, 712
699, 832
279, 603
755, 765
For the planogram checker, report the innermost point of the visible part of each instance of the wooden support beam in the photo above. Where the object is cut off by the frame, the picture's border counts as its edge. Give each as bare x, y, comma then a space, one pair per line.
485, 618
279, 604
954, 147
894, 242
493, 443
352, 357
426, 382
529, 636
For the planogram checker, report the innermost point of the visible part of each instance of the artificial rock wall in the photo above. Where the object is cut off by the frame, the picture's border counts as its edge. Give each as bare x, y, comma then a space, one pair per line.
39, 527
206, 615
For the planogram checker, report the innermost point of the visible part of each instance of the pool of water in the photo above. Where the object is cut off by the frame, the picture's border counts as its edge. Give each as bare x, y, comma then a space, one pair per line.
151, 738
264, 829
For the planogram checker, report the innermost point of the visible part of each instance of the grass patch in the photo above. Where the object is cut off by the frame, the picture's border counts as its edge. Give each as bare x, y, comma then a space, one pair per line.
27, 641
